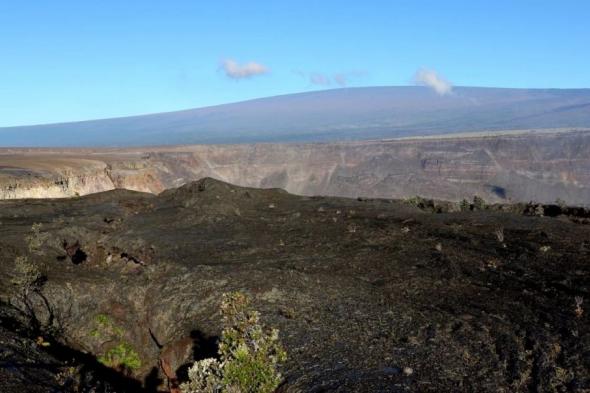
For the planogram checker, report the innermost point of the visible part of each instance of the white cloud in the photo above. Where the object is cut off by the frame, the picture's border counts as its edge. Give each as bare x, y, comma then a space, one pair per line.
235, 70
433, 80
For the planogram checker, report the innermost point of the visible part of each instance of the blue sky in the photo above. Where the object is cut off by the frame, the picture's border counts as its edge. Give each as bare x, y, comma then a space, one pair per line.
77, 60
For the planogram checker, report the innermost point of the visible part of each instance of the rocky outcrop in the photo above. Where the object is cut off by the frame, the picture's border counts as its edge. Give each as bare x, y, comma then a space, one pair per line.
506, 168
57, 187
54, 176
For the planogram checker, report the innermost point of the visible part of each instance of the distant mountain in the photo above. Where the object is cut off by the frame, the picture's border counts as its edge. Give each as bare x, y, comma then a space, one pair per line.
331, 115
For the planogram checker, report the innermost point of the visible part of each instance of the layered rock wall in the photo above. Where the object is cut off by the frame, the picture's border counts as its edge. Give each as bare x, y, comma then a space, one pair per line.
527, 167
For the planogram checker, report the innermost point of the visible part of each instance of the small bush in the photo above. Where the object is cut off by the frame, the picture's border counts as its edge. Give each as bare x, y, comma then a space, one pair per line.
26, 274
414, 201
479, 203
205, 376
464, 205
534, 209
103, 319
36, 239
28, 280
249, 354
105, 327
561, 203
123, 356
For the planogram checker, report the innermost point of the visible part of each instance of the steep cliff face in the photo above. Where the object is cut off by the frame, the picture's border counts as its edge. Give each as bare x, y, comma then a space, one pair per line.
59, 187
31, 176
539, 167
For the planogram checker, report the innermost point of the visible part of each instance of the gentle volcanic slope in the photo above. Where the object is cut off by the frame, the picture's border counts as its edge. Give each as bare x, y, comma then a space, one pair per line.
340, 114
519, 167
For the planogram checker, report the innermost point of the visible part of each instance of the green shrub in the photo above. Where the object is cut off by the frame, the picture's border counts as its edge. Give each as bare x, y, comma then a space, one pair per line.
123, 356
479, 203
414, 201
106, 327
464, 205
205, 376
28, 280
103, 320
36, 239
26, 274
249, 354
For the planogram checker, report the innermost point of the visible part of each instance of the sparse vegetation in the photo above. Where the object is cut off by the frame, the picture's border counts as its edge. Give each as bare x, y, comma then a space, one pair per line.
27, 275
464, 205
561, 203
205, 376
535, 209
36, 239
122, 356
478, 203
249, 354
414, 201
428, 204
29, 279
105, 327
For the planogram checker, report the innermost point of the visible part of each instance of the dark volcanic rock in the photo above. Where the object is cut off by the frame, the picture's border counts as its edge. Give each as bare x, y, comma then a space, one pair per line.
360, 289
22, 364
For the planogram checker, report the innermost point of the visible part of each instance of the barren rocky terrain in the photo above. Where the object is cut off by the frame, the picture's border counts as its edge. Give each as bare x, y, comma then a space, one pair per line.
492, 300
514, 167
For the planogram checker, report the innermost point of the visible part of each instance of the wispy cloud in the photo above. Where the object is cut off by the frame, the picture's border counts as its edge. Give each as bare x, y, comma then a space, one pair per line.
234, 70
341, 79
432, 79
322, 79
319, 79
